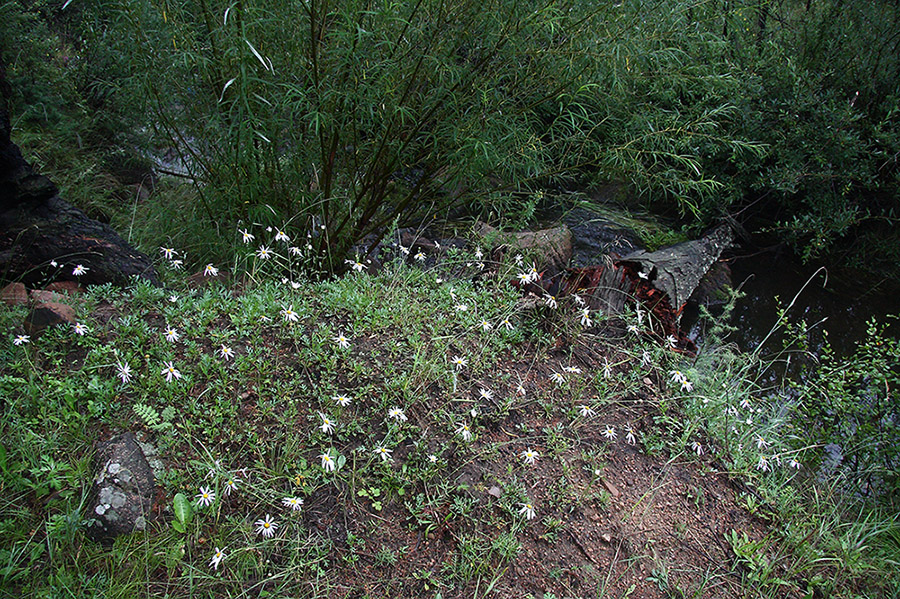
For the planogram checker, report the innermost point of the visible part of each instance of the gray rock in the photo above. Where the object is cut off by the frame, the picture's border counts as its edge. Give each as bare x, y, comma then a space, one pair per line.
123, 489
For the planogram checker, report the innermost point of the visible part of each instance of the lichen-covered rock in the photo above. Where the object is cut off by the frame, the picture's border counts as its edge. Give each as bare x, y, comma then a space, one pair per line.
123, 489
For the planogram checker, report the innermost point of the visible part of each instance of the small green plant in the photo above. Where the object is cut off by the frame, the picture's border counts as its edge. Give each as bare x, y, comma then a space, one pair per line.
373, 494
153, 419
183, 512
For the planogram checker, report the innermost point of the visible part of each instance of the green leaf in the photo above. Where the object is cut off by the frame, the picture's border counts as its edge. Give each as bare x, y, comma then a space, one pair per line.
183, 512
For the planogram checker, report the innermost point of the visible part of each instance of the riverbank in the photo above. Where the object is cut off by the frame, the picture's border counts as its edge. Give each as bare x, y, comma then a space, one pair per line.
480, 444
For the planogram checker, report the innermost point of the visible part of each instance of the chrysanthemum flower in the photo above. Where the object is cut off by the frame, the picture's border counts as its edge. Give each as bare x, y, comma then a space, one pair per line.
123, 371
170, 372
295, 503
527, 509
397, 414
231, 485
341, 341
586, 317
217, 558
327, 426
328, 462
266, 527
205, 497
384, 453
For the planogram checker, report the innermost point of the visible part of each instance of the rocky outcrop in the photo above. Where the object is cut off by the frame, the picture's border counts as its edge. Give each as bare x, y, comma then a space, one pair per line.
39, 230
123, 489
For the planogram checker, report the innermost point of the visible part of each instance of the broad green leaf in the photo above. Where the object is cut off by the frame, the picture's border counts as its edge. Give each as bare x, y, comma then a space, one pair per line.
183, 511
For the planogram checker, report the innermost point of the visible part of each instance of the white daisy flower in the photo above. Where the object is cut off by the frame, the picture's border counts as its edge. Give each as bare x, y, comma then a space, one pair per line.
527, 509
384, 453
266, 527
217, 558
397, 414
295, 503
530, 456
205, 497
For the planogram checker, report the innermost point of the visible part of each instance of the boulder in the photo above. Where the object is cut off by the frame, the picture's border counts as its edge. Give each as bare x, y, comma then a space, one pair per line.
14, 294
38, 228
123, 489
47, 314
65, 287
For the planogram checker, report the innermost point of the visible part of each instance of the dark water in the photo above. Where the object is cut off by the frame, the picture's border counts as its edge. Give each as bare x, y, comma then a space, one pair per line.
837, 304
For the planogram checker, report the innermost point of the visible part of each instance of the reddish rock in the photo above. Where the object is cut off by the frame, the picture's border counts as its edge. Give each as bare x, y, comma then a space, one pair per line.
14, 294
48, 314
66, 287
43, 296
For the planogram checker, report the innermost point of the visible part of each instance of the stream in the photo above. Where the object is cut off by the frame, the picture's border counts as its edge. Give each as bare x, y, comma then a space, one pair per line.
837, 304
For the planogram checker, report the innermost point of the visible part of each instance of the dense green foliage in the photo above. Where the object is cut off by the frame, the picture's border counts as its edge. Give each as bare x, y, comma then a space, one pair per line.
853, 402
352, 113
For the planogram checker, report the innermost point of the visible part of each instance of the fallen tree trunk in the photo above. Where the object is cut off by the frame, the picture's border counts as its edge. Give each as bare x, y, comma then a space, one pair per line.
659, 283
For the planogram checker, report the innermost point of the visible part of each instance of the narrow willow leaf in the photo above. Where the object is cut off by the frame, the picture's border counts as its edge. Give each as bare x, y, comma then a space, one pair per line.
230, 81
261, 99
257, 55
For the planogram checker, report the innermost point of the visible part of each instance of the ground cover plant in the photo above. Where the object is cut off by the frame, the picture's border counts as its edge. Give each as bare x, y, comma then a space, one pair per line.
422, 431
